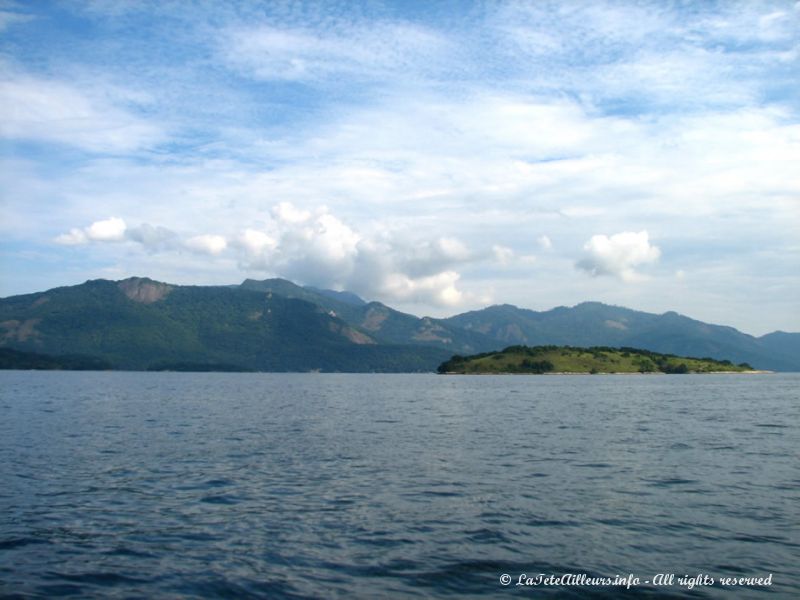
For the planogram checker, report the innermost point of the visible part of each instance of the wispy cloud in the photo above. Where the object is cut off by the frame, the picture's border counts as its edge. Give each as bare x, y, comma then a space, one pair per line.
50, 110
10, 18
365, 50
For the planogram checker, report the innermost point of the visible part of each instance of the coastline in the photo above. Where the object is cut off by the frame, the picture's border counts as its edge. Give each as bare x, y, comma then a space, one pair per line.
754, 372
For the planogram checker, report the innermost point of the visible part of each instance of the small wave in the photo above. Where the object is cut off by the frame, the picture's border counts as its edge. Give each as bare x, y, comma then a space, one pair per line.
96, 578
55, 590
790, 485
680, 446
550, 523
19, 542
731, 568
221, 499
634, 492
214, 483
124, 551
220, 587
437, 494
487, 536
761, 539
671, 481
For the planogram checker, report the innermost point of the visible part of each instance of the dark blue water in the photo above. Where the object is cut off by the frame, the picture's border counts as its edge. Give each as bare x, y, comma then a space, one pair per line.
161, 485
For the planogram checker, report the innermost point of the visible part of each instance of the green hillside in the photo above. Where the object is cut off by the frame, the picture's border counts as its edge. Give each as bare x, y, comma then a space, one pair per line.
141, 324
14, 359
569, 359
276, 325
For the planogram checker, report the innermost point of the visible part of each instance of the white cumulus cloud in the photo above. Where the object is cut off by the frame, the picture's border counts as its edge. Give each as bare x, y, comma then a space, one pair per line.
287, 213
439, 289
502, 254
74, 237
207, 244
255, 242
108, 230
319, 248
618, 255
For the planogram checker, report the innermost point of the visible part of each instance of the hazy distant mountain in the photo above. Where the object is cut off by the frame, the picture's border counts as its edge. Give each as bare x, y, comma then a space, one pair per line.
276, 325
380, 322
780, 342
342, 296
596, 324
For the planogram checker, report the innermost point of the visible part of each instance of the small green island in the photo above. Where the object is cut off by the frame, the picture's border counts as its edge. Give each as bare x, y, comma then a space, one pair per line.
540, 360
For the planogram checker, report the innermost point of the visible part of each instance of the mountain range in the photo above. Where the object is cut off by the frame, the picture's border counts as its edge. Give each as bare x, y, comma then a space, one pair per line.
276, 325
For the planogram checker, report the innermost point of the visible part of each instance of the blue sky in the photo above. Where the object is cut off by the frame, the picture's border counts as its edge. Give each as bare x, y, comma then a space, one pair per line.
436, 156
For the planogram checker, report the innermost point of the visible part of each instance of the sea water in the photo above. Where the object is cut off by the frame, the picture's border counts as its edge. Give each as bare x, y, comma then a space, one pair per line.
170, 485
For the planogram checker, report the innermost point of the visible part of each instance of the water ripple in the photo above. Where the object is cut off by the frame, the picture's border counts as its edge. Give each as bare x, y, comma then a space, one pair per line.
166, 485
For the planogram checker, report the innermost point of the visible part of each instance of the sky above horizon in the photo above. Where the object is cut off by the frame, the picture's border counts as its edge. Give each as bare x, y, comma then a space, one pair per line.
438, 157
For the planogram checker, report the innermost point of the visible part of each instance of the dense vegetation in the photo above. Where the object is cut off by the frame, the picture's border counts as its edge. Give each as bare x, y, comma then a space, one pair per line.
191, 327
597, 359
15, 359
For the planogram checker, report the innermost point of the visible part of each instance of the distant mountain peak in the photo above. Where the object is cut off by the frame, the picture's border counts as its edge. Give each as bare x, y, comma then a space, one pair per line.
341, 296
271, 280
498, 308
144, 290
